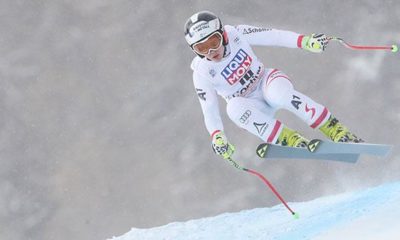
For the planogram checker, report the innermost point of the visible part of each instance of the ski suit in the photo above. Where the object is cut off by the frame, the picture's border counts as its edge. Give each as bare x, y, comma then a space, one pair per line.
253, 93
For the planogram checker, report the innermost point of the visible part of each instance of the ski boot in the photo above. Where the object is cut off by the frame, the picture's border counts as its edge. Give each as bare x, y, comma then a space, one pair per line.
337, 132
291, 138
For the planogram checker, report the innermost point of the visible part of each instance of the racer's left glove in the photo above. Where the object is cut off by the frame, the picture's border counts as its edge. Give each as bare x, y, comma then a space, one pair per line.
315, 43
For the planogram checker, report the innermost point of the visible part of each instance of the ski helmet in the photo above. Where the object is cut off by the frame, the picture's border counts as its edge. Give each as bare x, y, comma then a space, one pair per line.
200, 26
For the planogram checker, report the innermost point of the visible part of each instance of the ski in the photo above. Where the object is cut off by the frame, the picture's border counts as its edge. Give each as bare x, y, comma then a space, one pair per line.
322, 147
270, 151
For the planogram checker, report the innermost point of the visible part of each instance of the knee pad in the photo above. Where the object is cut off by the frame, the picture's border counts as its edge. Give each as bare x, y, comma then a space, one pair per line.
277, 89
255, 116
236, 107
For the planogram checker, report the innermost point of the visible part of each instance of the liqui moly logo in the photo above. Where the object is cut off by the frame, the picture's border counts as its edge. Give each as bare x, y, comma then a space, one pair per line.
237, 68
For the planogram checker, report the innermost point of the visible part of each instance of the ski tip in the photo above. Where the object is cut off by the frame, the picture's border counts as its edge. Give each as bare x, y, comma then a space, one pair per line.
262, 150
313, 145
296, 215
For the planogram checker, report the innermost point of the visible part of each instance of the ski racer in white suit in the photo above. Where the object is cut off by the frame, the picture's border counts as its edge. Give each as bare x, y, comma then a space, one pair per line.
226, 65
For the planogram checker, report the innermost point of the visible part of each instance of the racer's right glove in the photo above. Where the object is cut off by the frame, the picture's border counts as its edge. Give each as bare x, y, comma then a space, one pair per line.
221, 146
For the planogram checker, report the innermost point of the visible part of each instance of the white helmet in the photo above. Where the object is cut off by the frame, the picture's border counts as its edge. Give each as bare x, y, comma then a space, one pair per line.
201, 25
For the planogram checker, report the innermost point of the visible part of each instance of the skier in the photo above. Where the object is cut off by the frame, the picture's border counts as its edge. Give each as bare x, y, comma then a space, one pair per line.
226, 65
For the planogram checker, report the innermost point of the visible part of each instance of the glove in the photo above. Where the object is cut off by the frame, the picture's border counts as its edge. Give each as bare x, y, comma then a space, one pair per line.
221, 146
315, 43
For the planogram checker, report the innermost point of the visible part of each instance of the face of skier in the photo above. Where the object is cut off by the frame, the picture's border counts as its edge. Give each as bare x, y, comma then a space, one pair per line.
211, 47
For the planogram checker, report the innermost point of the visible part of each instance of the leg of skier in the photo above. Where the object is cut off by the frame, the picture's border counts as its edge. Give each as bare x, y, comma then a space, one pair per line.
257, 117
278, 91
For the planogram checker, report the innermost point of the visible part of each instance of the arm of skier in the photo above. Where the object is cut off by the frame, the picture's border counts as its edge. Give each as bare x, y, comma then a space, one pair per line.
209, 104
273, 37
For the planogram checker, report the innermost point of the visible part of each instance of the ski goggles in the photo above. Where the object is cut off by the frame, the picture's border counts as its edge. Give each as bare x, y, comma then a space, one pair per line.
212, 42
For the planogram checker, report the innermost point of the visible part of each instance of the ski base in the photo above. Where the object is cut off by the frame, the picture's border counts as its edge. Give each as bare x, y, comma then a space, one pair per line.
319, 146
324, 150
266, 150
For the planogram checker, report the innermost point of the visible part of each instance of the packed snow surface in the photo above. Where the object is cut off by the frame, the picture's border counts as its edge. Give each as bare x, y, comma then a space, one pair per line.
365, 214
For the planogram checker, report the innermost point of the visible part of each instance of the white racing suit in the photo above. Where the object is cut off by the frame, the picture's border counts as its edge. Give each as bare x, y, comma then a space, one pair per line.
253, 93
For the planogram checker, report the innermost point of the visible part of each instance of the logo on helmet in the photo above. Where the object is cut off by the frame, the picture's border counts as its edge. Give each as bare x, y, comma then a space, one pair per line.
202, 29
199, 29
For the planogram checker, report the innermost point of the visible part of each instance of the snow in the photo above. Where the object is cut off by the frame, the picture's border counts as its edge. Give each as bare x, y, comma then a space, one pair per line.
364, 214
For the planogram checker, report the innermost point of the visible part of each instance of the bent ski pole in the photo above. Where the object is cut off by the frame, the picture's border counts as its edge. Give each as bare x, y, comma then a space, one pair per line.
393, 48
236, 165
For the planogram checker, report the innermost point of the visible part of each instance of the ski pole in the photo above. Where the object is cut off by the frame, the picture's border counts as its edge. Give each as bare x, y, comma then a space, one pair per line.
268, 183
393, 48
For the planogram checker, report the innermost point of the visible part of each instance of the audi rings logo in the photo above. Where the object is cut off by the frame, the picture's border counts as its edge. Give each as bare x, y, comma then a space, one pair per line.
244, 119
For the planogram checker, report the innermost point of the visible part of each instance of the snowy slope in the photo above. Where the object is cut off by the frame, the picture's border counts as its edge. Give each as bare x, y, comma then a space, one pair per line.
367, 214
